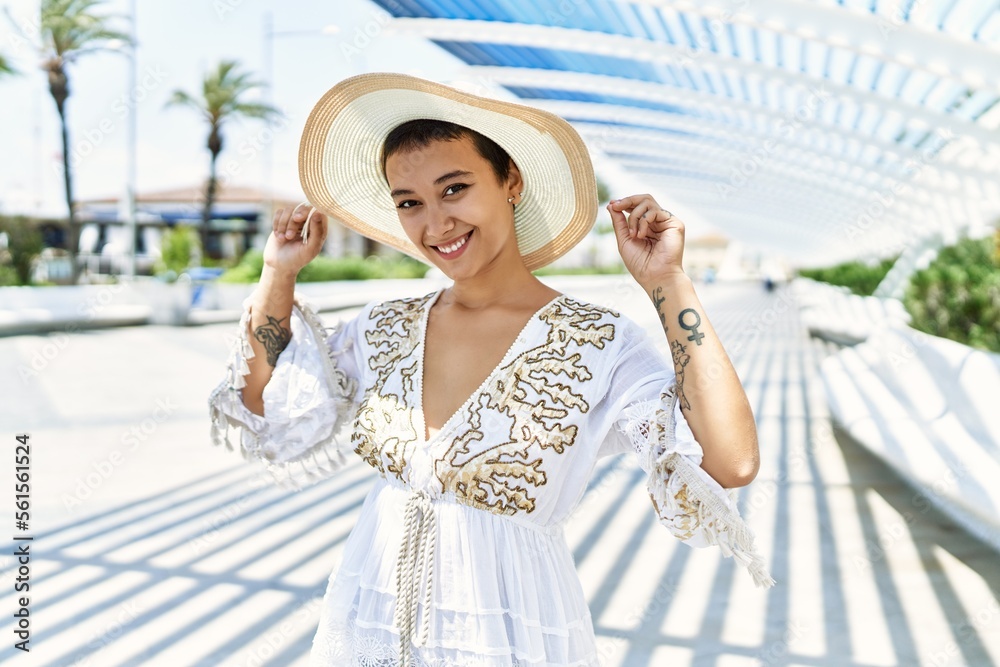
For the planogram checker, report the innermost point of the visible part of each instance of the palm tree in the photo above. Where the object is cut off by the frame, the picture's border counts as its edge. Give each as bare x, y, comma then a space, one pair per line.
69, 29
5, 67
223, 97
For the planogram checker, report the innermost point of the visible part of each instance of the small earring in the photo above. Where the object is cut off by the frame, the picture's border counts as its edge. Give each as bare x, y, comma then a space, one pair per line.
510, 200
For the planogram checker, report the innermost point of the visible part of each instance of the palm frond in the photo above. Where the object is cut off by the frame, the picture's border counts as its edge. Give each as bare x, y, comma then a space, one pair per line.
182, 97
71, 27
255, 110
6, 67
186, 99
225, 90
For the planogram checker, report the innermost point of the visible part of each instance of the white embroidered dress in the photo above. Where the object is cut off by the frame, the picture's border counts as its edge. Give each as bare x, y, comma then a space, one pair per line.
458, 556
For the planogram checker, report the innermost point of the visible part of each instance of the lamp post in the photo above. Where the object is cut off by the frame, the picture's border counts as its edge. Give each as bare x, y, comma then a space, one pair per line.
131, 159
133, 125
268, 59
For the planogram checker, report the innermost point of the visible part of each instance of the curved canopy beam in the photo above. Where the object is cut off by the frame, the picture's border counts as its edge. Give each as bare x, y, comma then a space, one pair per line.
886, 37
645, 50
642, 91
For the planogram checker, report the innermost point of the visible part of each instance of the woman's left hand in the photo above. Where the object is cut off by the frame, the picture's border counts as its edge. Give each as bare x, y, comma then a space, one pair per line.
650, 239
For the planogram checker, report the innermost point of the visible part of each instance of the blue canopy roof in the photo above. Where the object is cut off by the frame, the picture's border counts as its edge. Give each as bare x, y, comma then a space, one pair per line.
823, 130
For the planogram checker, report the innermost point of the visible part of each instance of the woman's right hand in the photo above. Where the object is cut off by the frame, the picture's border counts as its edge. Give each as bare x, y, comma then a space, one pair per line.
285, 251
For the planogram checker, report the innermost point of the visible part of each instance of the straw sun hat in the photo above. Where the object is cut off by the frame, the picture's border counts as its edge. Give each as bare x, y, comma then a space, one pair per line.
339, 160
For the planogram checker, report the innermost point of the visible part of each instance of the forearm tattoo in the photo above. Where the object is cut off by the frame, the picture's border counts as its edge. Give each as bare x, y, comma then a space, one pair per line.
273, 337
692, 324
690, 320
681, 359
658, 300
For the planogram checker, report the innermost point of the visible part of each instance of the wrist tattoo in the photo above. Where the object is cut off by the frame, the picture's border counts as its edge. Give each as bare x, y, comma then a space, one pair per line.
658, 300
692, 324
273, 337
681, 359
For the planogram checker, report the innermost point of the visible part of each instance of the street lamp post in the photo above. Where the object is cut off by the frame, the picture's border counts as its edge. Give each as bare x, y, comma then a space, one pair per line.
268, 60
132, 146
131, 160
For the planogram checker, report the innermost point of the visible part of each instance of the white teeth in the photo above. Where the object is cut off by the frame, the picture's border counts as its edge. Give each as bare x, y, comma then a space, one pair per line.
448, 249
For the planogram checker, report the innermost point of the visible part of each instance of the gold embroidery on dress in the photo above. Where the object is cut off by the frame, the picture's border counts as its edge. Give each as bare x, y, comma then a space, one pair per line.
532, 393
685, 522
384, 423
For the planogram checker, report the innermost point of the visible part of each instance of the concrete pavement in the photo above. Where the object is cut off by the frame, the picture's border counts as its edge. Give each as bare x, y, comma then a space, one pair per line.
152, 547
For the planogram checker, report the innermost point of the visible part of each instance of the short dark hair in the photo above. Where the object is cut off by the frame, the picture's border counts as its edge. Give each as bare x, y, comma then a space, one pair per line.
422, 132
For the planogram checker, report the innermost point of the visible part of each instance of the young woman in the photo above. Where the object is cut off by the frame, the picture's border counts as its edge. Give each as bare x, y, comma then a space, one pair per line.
483, 406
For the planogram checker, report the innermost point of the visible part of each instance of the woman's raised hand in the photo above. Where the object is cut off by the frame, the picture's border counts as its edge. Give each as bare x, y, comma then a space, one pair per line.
650, 239
286, 251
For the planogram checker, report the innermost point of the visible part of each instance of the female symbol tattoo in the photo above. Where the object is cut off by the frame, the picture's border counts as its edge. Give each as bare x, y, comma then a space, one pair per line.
696, 335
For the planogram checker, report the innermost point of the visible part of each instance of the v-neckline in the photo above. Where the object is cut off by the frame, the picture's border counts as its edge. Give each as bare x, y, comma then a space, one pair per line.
421, 357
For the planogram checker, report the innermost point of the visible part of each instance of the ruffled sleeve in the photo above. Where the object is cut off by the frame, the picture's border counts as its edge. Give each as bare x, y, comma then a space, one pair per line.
688, 501
311, 395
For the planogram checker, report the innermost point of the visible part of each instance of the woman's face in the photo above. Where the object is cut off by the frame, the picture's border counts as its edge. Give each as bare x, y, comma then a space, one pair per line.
452, 207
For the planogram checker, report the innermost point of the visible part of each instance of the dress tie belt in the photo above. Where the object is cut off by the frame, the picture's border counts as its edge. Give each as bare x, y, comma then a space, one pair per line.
415, 563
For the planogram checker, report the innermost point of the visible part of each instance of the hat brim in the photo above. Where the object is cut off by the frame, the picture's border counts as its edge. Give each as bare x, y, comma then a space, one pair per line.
340, 173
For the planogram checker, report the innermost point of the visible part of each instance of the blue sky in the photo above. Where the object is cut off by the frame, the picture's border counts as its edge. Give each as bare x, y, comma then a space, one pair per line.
178, 41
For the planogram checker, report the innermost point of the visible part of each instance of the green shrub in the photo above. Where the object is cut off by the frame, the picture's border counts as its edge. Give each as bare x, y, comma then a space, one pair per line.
958, 295
8, 276
221, 262
323, 268
24, 243
858, 277
176, 248
403, 266
247, 270
345, 268
579, 270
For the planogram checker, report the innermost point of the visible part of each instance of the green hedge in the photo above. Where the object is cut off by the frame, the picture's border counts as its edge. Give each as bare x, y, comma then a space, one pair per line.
858, 277
322, 269
958, 295
580, 270
176, 246
24, 243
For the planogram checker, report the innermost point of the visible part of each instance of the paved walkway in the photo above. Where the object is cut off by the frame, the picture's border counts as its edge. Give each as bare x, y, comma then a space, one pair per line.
154, 548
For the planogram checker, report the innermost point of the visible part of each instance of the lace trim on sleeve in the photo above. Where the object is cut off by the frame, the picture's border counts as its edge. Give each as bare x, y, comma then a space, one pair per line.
688, 501
227, 410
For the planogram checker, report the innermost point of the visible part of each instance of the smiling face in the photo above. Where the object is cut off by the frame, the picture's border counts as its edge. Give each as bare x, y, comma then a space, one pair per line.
453, 207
